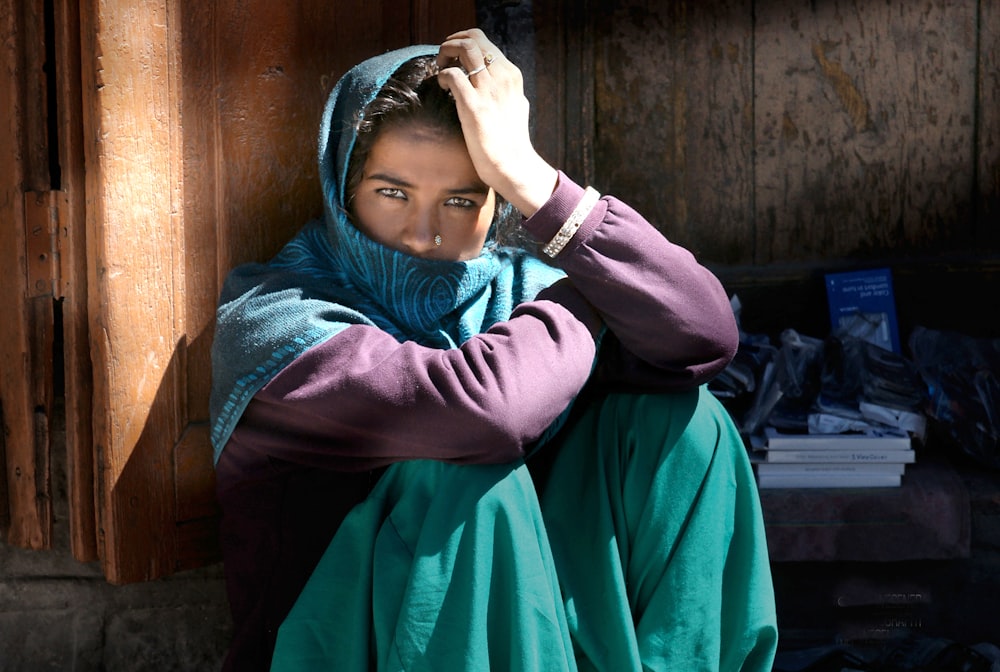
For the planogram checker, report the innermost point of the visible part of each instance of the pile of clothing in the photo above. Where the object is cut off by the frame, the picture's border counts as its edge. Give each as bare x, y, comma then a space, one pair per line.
846, 383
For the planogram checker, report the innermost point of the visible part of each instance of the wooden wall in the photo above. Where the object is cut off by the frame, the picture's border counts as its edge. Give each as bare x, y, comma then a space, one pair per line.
779, 139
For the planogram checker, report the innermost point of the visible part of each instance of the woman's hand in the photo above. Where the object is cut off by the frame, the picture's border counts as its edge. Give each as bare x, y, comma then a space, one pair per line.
489, 92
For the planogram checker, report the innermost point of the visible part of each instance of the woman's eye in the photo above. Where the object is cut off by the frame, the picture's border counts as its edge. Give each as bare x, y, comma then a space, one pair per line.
391, 192
460, 202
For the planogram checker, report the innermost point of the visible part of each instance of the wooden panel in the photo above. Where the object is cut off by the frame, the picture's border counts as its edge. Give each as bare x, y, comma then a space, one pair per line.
864, 116
988, 116
563, 90
270, 100
76, 345
434, 20
133, 180
673, 119
27, 328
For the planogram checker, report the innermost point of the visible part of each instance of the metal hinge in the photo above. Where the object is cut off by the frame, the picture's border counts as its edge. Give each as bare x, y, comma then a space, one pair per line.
45, 225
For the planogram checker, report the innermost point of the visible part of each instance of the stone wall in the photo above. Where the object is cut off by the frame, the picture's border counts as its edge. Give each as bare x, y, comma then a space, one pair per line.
57, 614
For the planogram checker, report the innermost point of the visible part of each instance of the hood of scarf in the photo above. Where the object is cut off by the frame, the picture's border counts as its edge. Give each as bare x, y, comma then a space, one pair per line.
414, 294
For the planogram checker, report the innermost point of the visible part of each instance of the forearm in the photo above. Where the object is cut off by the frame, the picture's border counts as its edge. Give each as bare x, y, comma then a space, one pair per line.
362, 399
655, 297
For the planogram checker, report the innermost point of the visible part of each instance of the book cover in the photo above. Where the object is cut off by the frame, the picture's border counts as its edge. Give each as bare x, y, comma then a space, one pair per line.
865, 298
883, 439
864, 480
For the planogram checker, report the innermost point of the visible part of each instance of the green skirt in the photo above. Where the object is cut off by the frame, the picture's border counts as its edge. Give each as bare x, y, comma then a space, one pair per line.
645, 551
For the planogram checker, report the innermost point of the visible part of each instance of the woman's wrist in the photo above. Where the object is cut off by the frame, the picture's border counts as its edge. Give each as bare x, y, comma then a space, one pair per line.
531, 187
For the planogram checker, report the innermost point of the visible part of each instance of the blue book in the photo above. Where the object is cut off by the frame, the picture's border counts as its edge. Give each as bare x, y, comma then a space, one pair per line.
863, 305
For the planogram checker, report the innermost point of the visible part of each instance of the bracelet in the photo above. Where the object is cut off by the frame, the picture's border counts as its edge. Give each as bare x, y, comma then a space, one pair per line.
573, 222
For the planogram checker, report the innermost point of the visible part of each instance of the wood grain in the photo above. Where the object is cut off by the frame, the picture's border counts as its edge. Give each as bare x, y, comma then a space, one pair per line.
673, 119
77, 376
864, 128
26, 364
987, 166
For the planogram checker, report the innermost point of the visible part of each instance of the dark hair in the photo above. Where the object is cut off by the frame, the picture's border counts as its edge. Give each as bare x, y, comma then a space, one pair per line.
412, 95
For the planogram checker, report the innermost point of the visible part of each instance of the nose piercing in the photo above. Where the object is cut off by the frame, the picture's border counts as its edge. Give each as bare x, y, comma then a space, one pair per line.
437, 240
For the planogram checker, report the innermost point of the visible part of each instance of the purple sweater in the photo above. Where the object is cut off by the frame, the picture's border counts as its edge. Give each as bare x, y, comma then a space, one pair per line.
297, 463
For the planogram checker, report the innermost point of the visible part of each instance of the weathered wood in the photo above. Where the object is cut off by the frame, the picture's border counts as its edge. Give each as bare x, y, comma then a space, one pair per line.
201, 162
77, 378
41, 367
35, 101
988, 127
563, 104
674, 128
133, 179
26, 331
864, 127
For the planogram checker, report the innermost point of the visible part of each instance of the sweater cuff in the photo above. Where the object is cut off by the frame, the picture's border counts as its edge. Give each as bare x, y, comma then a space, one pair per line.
545, 224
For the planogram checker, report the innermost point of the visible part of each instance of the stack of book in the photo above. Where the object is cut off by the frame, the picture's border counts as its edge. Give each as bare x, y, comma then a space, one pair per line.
872, 460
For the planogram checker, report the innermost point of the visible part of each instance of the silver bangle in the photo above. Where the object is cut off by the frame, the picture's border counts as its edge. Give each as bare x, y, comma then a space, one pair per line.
573, 222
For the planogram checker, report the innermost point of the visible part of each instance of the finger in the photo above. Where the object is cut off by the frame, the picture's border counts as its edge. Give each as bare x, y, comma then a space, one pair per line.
474, 33
462, 51
462, 89
471, 48
448, 77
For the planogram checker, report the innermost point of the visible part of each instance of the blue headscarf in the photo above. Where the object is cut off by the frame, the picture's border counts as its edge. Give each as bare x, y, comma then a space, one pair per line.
331, 276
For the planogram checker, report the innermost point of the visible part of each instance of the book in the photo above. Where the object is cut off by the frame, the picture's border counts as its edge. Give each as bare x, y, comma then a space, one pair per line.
836, 456
874, 439
863, 304
811, 468
829, 468
861, 480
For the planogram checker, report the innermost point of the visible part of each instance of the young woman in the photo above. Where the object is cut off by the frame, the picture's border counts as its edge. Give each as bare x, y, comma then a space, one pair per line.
437, 452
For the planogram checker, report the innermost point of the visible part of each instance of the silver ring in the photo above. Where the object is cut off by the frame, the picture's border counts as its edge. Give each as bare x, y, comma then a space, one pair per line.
489, 58
477, 70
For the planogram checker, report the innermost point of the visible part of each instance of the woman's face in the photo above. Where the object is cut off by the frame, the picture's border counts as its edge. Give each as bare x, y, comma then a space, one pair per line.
417, 184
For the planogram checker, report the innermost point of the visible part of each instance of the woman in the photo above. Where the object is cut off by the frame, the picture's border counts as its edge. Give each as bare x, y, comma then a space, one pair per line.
382, 387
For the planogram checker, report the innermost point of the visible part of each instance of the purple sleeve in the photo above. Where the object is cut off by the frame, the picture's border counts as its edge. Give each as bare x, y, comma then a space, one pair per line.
363, 400
671, 314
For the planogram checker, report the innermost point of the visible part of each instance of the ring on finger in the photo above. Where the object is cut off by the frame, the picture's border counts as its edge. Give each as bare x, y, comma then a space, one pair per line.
476, 71
489, 58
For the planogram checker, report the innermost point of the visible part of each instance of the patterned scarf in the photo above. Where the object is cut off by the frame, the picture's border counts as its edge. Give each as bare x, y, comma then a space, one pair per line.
331, 276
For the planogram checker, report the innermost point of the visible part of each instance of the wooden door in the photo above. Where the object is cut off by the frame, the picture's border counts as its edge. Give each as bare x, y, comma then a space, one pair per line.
42, 287
25, 393
200, 123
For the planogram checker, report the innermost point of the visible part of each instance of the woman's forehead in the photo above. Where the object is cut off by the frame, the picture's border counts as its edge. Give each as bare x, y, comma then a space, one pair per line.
422, 155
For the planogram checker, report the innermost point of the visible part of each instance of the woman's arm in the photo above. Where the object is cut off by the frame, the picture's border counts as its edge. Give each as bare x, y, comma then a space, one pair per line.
363, 400
660, 303
663, 306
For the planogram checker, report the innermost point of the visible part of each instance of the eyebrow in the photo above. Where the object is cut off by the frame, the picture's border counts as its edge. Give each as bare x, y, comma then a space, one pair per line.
476, 188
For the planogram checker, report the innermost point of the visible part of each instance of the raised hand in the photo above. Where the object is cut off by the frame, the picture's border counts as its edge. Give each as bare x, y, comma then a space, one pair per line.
489, 93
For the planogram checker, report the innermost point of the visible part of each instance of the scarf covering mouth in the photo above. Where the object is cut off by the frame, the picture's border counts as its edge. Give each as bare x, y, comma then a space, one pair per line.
331, 276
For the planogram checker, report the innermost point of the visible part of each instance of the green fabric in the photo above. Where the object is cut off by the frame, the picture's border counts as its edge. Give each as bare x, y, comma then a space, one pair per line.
442, 567
657, 558
670, 570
